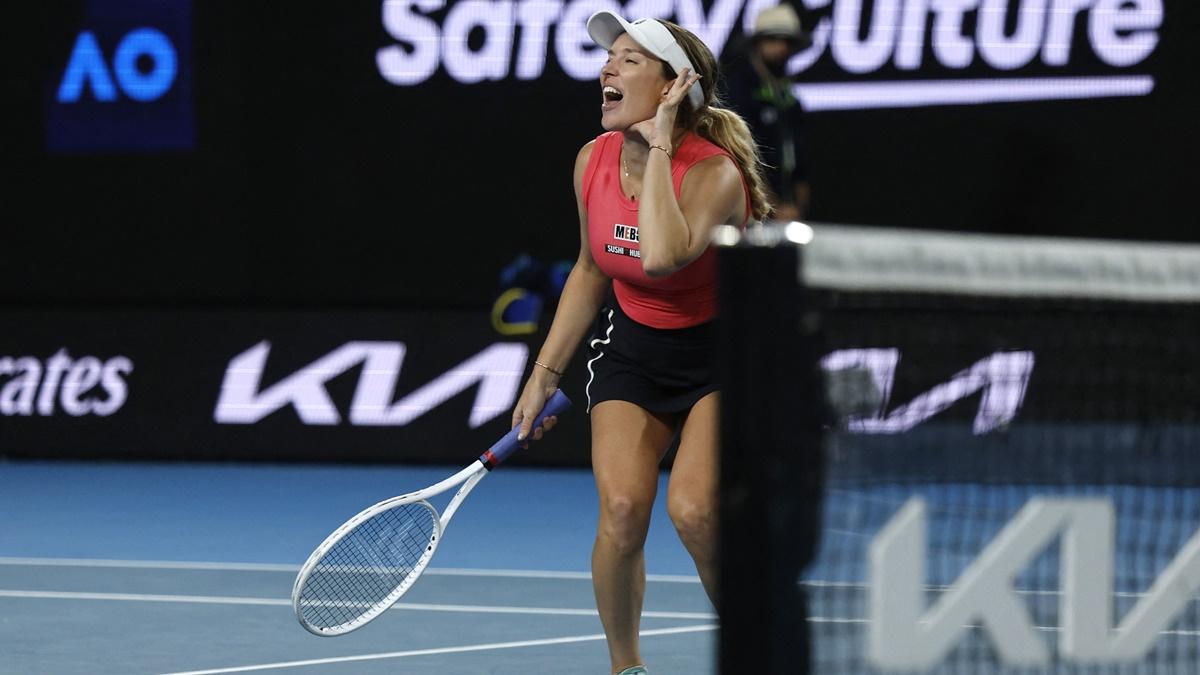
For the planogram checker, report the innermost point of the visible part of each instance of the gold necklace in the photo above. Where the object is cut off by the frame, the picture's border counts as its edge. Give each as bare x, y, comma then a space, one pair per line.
625, 168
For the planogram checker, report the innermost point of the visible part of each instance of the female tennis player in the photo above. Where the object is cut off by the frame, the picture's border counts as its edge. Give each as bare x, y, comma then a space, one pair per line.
670, 168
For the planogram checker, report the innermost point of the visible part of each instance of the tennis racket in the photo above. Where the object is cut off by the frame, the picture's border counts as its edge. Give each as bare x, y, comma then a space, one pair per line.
375, 557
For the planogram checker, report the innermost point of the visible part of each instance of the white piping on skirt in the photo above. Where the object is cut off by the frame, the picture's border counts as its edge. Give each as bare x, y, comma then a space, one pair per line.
591, 373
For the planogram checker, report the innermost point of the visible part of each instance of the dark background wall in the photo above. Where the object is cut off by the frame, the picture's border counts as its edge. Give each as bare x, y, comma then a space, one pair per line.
313, 180
283, 192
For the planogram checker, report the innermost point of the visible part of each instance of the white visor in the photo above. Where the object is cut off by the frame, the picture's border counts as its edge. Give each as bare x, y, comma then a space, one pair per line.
605, 27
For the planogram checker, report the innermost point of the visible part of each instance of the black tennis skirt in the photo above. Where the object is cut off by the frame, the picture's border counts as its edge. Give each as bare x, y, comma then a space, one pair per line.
661, 370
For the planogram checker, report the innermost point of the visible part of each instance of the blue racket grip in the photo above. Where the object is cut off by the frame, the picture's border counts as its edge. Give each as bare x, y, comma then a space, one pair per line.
558, 403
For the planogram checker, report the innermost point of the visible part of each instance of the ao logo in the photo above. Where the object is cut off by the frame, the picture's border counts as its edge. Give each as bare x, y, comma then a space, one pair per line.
88, 67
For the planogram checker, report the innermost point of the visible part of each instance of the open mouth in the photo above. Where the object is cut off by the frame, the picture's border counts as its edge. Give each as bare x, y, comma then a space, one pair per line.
612, 96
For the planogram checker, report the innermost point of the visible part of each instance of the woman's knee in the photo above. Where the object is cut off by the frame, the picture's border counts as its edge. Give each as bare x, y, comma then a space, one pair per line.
624, 520
695, 519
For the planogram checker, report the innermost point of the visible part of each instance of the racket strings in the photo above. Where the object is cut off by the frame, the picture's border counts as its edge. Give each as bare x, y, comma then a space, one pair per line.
367, 565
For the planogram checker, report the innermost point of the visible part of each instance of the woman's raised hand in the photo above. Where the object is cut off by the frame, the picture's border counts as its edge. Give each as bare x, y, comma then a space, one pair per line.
659, 131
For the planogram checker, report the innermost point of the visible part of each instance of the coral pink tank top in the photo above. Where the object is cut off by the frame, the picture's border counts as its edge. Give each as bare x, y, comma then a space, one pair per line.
686, 298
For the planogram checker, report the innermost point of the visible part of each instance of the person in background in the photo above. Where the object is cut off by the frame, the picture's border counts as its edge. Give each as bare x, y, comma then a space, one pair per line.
760, 90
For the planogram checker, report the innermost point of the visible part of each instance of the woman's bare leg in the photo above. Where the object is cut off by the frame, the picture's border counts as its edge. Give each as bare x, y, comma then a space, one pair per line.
627, 445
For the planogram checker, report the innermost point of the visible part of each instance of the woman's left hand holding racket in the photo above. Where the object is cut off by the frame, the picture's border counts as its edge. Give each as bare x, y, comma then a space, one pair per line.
375, 557
539, 388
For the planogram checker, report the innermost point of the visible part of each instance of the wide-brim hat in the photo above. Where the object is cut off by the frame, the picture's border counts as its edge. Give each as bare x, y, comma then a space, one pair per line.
605, 27
781, 21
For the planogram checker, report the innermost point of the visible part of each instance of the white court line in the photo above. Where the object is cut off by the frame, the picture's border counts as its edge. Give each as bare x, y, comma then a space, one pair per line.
425, 607
858, 585
271, 567
444, 571
444, 650
141, 597
1044, 629
149, 564
279, 602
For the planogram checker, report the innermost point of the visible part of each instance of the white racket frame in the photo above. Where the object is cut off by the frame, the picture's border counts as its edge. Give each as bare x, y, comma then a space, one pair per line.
469, 477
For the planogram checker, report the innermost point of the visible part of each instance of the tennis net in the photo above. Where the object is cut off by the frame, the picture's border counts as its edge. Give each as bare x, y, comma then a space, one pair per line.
1012, 462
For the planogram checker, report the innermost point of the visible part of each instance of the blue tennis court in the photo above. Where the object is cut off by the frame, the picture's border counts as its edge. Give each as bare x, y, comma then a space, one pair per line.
188, 568
184, 568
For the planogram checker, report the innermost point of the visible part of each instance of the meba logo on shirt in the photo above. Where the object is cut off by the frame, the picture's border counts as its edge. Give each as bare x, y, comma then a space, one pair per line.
625, 233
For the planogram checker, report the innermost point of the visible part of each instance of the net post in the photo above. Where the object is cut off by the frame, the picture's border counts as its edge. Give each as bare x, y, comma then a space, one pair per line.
771, 459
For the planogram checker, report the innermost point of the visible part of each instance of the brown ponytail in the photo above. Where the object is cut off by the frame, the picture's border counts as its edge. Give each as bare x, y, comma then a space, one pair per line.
718, 125
728, 130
